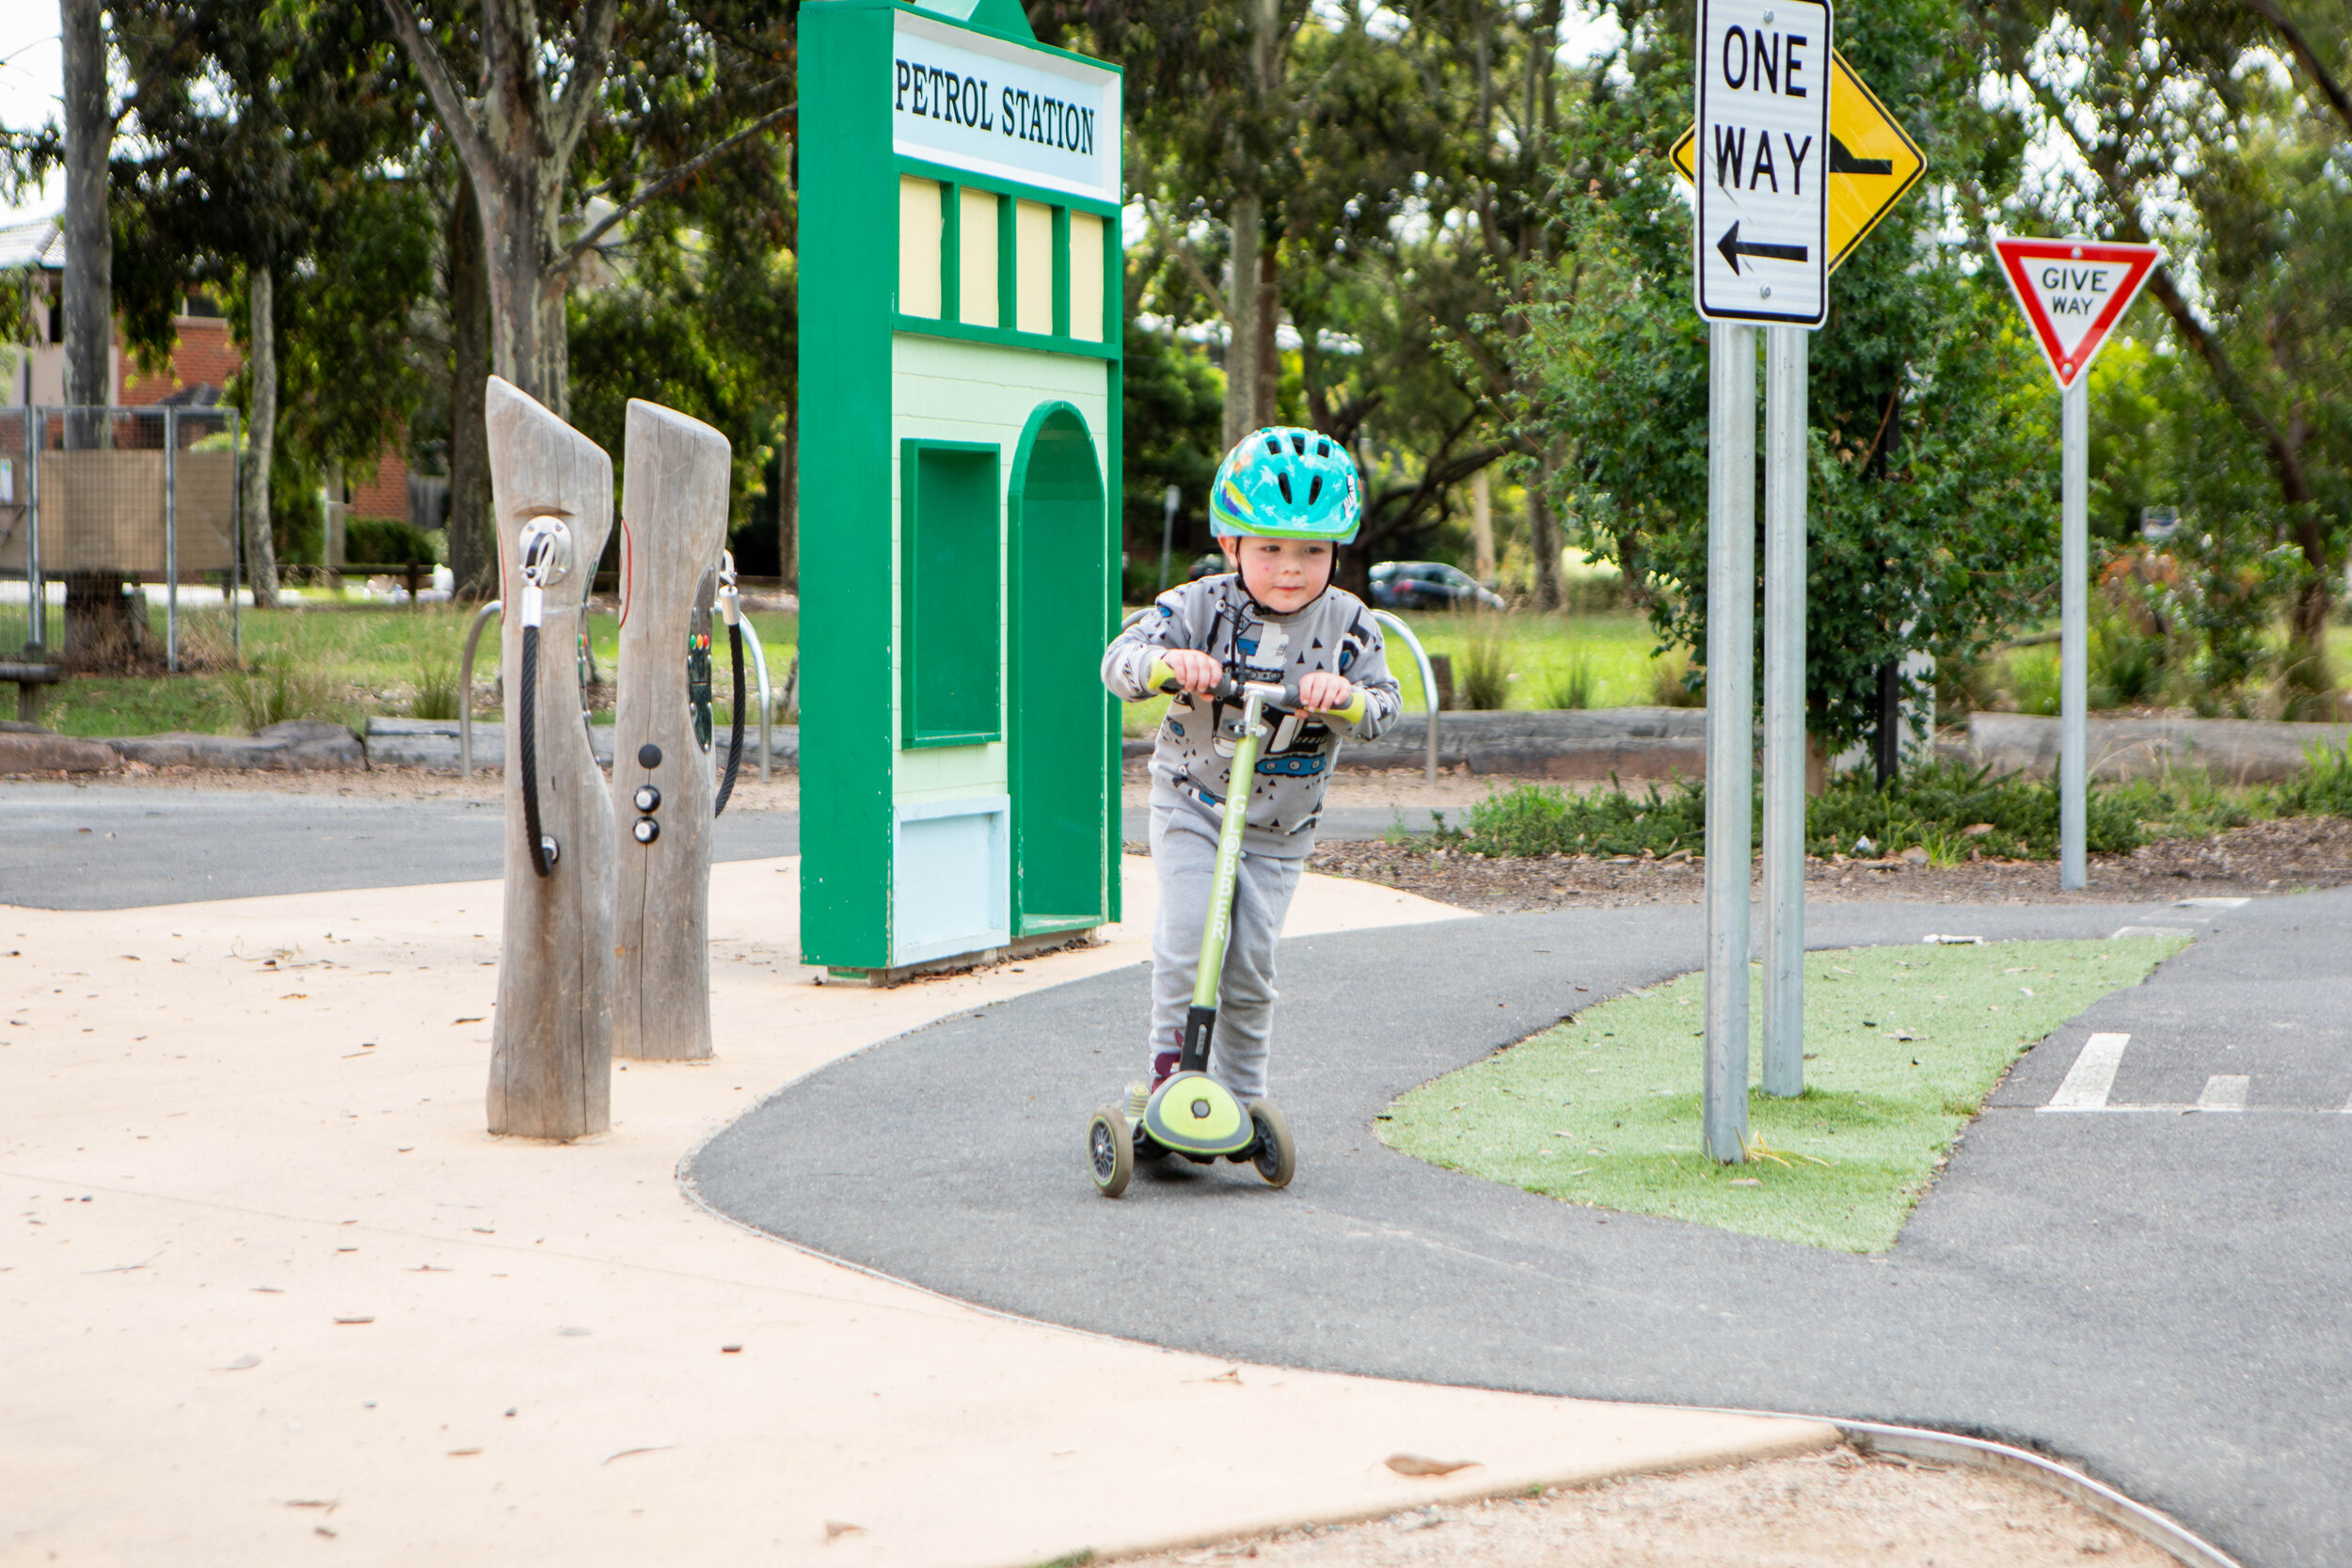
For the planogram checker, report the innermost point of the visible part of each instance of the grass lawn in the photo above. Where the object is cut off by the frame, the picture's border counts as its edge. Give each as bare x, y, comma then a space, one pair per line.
365, 661
1536, 651
1905, 1044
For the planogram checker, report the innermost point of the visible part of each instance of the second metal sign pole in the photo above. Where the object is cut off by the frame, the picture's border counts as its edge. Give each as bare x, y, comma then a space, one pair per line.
1787, 350
2074, 624
1730, 731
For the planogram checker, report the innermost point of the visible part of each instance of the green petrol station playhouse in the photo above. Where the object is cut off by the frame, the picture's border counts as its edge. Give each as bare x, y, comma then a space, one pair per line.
960, 318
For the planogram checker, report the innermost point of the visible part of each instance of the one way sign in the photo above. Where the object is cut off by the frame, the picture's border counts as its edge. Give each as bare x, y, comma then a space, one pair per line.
1763, 156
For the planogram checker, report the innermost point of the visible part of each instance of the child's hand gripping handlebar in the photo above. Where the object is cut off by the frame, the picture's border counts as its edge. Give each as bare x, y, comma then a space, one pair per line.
1160, 677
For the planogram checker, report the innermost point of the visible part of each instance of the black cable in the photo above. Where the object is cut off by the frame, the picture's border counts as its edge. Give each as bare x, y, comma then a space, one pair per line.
735, 741
529, 727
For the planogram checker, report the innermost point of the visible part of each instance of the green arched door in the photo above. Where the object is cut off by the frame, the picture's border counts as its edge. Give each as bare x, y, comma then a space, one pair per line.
1059, 563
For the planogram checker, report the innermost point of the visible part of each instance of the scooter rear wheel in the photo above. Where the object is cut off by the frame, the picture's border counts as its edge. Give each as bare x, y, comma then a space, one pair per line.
1276, 1156
1110, 1151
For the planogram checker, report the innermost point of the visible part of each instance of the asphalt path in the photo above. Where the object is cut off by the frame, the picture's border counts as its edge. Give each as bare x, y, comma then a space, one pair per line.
2153, 1295
96, 849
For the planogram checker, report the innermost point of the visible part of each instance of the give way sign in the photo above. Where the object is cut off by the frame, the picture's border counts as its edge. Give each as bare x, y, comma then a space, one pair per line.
2074, 292
1762, 241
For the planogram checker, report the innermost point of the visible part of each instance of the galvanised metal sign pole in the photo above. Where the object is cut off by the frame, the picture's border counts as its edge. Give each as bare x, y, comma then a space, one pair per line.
1873, 164
1761, 244
2072, 293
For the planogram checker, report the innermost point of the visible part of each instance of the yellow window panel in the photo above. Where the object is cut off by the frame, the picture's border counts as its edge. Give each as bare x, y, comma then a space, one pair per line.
976, 268
921, 233
1033, 265
1086, 277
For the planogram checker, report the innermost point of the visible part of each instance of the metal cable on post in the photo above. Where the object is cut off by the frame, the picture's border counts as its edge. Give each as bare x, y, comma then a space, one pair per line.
1428, 687
465, 688
527, 741
731, 607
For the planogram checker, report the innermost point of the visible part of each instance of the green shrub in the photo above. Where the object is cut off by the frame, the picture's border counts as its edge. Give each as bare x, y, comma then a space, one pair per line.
385, 542
1934, 806
278, 688
1573, 683
2324, 788
2127, 665
1670, 683
2033, 680
1543, 819
1481, 670
436, 692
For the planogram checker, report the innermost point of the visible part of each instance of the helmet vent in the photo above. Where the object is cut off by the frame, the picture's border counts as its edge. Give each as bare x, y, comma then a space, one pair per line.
1284, 481
1273, 445
1322, 449
1314, 489
1298, 443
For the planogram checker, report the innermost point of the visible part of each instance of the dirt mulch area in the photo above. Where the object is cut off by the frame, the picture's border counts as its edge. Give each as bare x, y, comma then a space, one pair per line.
2291, 855
1830, 1510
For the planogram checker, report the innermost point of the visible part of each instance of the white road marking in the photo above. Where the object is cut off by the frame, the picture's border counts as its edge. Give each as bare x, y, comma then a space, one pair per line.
2225, 1091
2151, 931
2093, 1076
2210, 904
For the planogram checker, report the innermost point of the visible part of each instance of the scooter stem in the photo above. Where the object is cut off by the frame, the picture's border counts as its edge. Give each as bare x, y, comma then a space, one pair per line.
1201, 1021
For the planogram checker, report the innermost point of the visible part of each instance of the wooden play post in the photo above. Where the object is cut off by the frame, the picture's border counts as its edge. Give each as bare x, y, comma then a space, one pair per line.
674, 522
552, 1052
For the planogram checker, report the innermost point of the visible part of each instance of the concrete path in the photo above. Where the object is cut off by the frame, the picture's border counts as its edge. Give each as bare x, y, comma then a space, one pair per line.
154, 846
2157, 1295
270, 1295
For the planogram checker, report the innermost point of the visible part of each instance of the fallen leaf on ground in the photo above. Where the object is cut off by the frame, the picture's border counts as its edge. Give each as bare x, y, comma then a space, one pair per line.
836, 1529
1419, 1464
242, 1364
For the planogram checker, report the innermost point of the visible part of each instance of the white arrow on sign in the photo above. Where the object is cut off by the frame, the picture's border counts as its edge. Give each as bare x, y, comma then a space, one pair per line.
1762, 245
2074, 292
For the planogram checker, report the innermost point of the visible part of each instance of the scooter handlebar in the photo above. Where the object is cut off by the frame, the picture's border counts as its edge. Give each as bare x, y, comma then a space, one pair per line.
1285, 698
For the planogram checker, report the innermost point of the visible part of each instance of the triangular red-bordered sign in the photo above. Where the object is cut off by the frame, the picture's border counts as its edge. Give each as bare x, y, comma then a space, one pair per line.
2074, 292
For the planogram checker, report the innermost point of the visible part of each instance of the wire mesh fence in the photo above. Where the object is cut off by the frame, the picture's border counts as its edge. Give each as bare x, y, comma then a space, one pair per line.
102, 503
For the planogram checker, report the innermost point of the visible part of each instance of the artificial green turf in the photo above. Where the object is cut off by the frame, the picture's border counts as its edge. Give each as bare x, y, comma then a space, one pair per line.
1903, 1046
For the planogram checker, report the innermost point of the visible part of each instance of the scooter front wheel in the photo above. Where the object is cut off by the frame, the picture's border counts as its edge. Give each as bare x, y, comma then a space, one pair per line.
1274, 1155
1110, 1151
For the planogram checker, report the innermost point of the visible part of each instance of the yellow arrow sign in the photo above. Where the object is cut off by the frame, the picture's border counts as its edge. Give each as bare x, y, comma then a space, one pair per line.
1872, 163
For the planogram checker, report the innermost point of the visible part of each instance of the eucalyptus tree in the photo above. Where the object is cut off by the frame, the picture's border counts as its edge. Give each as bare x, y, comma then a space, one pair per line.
2221, 132
637, 96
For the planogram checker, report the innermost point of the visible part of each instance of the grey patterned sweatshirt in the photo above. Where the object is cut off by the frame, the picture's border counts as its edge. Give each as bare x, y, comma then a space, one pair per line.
1192, 761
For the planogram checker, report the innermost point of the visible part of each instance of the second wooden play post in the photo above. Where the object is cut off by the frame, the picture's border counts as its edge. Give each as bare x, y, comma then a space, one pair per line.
551, 1052
674, 512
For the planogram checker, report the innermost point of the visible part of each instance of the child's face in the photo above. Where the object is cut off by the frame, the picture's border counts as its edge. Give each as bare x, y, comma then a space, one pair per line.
1283, 574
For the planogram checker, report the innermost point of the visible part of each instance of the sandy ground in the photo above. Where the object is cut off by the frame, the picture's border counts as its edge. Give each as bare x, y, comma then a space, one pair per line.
1815, 1511
267, 1285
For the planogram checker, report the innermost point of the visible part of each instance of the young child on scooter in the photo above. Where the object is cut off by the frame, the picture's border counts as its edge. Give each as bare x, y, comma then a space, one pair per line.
1283, 502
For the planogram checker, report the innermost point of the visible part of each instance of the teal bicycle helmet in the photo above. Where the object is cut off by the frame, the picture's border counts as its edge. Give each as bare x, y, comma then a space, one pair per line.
1284, 484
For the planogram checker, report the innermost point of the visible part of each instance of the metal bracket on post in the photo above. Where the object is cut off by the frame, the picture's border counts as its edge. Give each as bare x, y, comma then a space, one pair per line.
464, 687
1787, 349
767, 700
171, 539
1428, 687
1730, 732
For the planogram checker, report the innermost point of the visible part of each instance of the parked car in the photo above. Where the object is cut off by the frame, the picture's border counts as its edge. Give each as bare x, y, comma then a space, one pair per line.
1428, 585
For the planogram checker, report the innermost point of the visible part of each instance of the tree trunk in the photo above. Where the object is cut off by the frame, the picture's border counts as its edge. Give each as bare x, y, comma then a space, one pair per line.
474, 559
89, 249
1243, 299
1543, 535
1269, 379
260, 443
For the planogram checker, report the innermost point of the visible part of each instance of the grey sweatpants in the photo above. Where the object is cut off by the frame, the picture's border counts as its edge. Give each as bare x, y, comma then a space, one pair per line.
1184, 854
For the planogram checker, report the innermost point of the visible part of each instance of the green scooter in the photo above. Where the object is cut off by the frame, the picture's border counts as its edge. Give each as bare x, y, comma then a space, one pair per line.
1191, 1114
